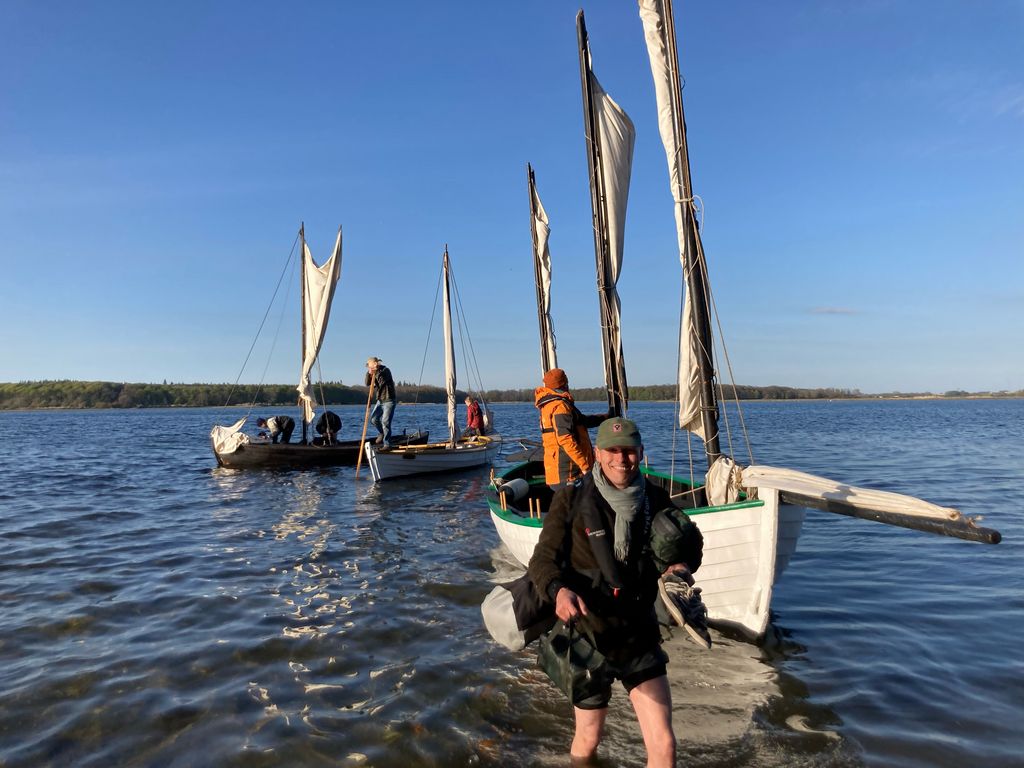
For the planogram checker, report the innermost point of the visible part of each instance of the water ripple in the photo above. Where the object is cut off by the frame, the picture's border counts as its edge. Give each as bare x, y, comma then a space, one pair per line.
161, 611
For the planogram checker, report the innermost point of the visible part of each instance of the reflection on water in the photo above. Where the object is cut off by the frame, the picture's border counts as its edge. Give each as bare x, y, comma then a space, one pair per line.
159, 610
312, 580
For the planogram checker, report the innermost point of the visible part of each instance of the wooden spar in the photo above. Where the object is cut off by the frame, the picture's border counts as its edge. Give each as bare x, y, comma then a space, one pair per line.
366, 420
302, 309
449, 354
598, 200
961, 529
696, 265
543, 319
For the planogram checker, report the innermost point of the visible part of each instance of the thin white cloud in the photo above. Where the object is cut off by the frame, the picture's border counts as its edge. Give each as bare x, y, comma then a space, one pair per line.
1010, 101
970, 95
833, 311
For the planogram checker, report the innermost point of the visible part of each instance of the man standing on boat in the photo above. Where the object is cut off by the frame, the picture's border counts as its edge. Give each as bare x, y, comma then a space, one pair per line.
594, 564
279, 427
384, 389
568, 453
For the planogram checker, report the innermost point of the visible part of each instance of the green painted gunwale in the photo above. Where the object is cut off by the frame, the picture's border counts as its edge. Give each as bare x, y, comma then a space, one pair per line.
534, 522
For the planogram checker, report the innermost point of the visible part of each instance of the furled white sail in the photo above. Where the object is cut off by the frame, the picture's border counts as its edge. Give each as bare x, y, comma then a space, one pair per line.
449, 354
318, 295
542, 258
789, 480
670, 125
723, 482
688, 381
227, 439
616, 134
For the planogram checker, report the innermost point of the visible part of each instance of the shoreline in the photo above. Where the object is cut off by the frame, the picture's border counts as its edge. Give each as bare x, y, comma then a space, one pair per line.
405, 404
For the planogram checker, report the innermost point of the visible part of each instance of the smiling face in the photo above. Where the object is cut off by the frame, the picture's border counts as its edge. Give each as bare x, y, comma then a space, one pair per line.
620, 465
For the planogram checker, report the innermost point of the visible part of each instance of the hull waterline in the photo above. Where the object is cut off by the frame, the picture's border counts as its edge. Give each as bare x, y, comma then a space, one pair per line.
255, 455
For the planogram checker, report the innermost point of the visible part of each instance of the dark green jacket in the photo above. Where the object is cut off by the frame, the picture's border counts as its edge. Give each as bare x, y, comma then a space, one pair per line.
578, 534
383, 384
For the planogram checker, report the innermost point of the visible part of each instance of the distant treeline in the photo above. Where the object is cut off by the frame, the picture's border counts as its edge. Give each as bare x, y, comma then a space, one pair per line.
668, 392
106, 394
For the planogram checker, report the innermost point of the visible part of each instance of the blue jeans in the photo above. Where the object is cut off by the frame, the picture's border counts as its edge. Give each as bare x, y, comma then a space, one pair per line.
380, 417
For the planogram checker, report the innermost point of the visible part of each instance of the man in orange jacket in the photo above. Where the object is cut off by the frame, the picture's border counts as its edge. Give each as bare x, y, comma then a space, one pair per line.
568, 453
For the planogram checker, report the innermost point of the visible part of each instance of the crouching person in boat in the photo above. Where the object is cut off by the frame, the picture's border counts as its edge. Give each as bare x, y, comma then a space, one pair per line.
327, 426
568, 453
279, 427
594, 563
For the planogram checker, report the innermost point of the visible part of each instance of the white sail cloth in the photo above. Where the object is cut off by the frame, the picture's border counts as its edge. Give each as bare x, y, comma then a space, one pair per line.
542, 258
760, 476
449, 353
617, 137
723, 482
228, 439
672, 129
318, 295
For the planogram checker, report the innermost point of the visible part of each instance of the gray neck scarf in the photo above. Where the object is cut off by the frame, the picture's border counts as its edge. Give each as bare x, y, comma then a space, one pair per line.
626, 502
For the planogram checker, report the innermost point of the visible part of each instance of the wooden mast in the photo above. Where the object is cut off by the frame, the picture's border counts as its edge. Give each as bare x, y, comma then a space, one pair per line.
302, 309
543, 320
613, 373
449, 353
696, 265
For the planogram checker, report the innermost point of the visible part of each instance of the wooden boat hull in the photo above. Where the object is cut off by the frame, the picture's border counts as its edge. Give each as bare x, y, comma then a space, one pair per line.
747, 546
520, 534
429, 459
260, 455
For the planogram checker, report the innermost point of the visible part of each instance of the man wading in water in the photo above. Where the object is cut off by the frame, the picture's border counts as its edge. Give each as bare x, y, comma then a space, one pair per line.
594, 563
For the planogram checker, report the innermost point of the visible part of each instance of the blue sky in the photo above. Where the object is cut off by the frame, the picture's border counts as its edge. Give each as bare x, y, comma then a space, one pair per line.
860, 165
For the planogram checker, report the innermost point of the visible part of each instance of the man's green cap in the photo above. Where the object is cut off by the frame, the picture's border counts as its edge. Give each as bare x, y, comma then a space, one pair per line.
618, 432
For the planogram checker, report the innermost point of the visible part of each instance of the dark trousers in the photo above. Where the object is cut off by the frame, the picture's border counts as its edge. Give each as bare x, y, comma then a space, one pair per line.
286, 431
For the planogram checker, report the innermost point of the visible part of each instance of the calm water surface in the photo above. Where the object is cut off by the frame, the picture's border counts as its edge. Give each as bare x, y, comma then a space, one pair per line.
159, 611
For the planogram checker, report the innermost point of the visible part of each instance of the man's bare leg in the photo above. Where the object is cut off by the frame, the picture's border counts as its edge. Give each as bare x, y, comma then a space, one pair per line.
652, 702
589, 729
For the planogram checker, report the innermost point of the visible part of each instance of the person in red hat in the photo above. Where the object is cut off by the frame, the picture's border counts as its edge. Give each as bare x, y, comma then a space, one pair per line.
568, 453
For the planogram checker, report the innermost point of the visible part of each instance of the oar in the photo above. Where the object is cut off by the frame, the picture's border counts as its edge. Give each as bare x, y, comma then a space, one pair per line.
366, 420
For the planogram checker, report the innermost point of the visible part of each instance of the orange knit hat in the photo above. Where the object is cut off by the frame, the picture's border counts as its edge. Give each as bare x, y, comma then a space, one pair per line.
556, 379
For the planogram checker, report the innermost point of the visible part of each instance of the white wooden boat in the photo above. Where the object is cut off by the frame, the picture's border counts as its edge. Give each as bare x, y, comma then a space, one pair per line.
433, 457
455, 454
750, 517
747, 544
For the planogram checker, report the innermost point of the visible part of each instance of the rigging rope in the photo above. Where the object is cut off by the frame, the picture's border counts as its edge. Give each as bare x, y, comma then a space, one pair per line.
725, 355
465, 340
266, 314
696, 205
430, 328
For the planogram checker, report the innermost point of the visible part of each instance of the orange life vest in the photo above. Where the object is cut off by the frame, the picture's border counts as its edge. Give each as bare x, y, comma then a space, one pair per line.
568, 453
